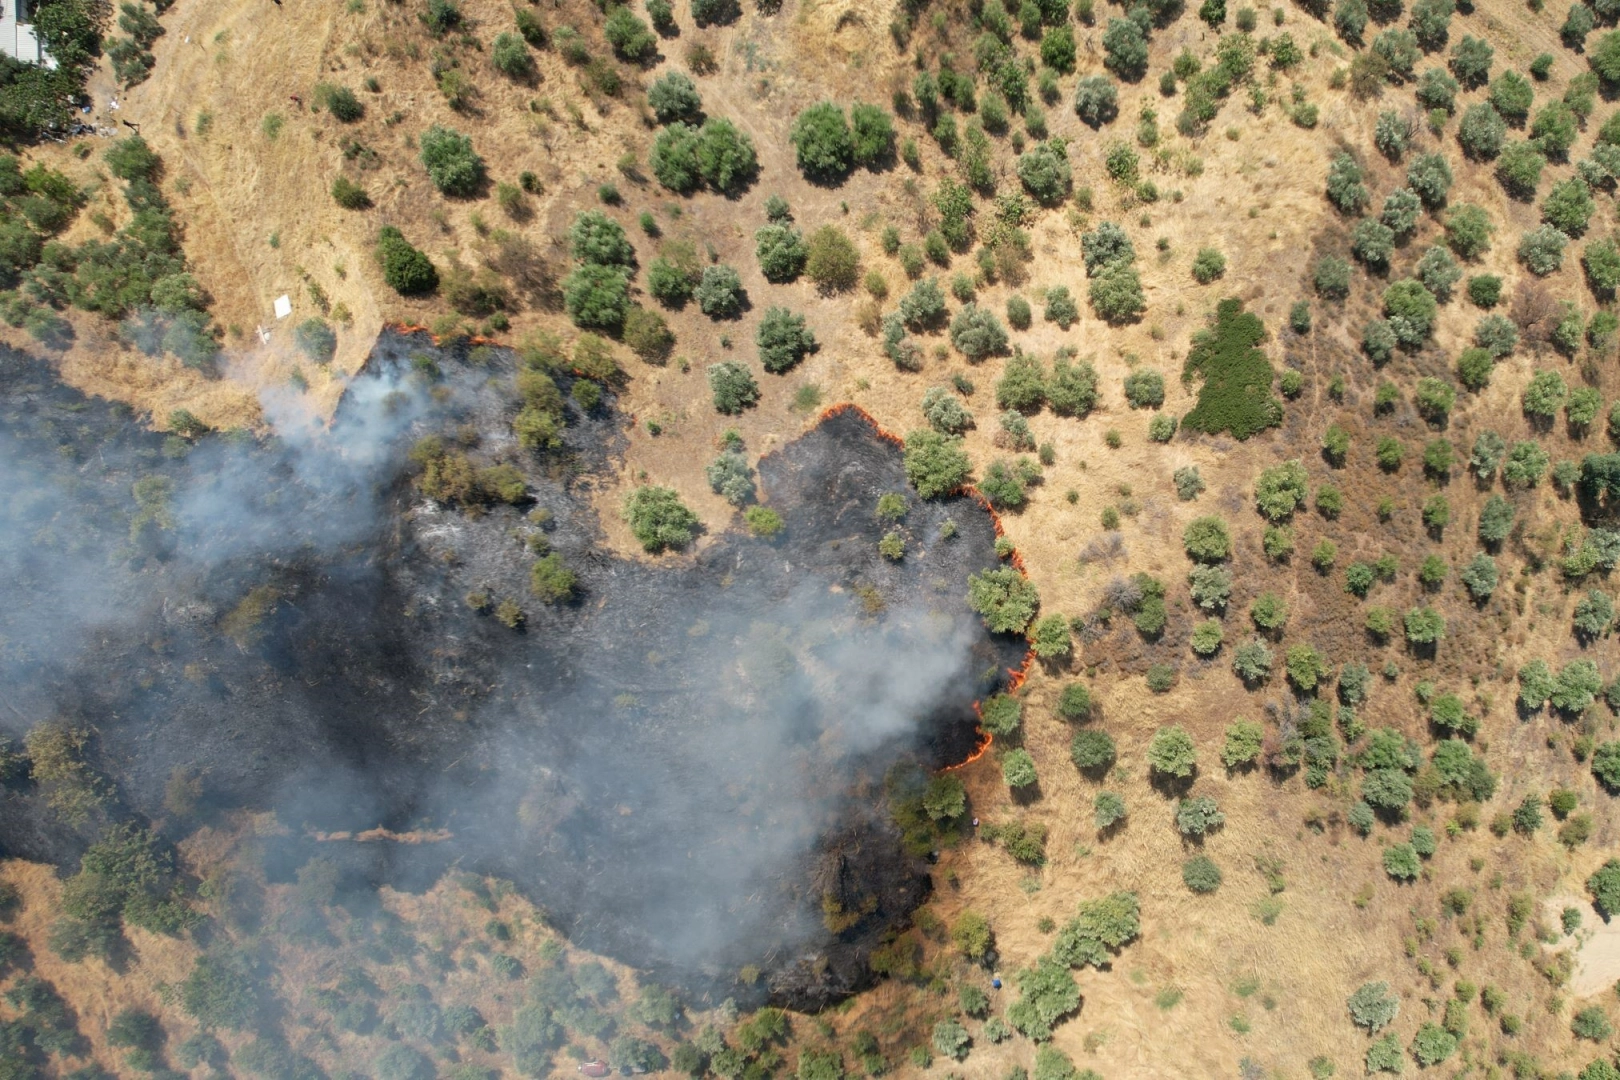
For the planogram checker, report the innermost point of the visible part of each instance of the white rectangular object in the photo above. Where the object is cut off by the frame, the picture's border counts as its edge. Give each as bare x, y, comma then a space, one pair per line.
283, 306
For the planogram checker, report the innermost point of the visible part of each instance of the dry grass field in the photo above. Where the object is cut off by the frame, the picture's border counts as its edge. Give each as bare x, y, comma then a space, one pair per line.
1256, 973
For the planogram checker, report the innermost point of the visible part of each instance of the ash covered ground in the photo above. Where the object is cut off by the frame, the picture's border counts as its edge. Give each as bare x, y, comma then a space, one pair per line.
682, 766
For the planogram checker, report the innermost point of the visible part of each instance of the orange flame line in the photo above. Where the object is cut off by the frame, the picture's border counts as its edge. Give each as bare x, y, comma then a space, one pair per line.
850, 407
414, 328
1015, 676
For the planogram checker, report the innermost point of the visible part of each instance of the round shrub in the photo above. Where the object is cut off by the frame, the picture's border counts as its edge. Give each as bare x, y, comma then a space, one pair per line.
1018, 768
673, 96
597, 297
1093, 751
452, 165
783, 339
1044, 172
977, 333
658, 519
1096, 100
1201, 875
733, 387
406, 269
832, 260
719, 292
823, 142
1208, 265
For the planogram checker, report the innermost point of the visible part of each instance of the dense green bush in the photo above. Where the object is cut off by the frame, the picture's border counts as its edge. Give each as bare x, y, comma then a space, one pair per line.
1198, 815
935, 464
1060, 307
1606, 768
945, 412
1018, 768
349, 195
1116, 294
1468, 231
1479, 577
872, 132
1125, 49
406, 269
220, 992
1402, 209
1438, 272
1280, 490
1566, 211
1410, 310
1044, 172
781, 251
1096, 100
1144, 388
452, 165
1003, 486
1372, 242
1345, 189
1171, 753
1430, 177
1512, 95
1437, 90
923, 307
1432, 1044
1200, 874
719, 292
1022, 385
1518, 169
1482, 132
658, 519
718, 154
1401, 862
1544, 395
1005, 599
674, 97
132, 159
1399, 51
1252, 662
733, 387
629, 36
1207, 539
1471, 61
823, 142
1373, 1007
1093, 751
783, 339
1433, 399
1554, 129
1392, 133
596, 238
832, 261
510, 56
597, 297
551, 580
977, 333
674, 274
1208, 265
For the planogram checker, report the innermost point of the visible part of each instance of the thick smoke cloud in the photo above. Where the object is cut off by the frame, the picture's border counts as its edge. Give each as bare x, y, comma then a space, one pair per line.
681, 767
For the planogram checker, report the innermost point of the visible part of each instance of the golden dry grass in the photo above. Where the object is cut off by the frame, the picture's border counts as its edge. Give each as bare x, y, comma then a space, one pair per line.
1258, 198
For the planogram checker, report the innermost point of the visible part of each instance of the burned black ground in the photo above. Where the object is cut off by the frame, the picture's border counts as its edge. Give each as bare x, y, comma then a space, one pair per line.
679, 766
